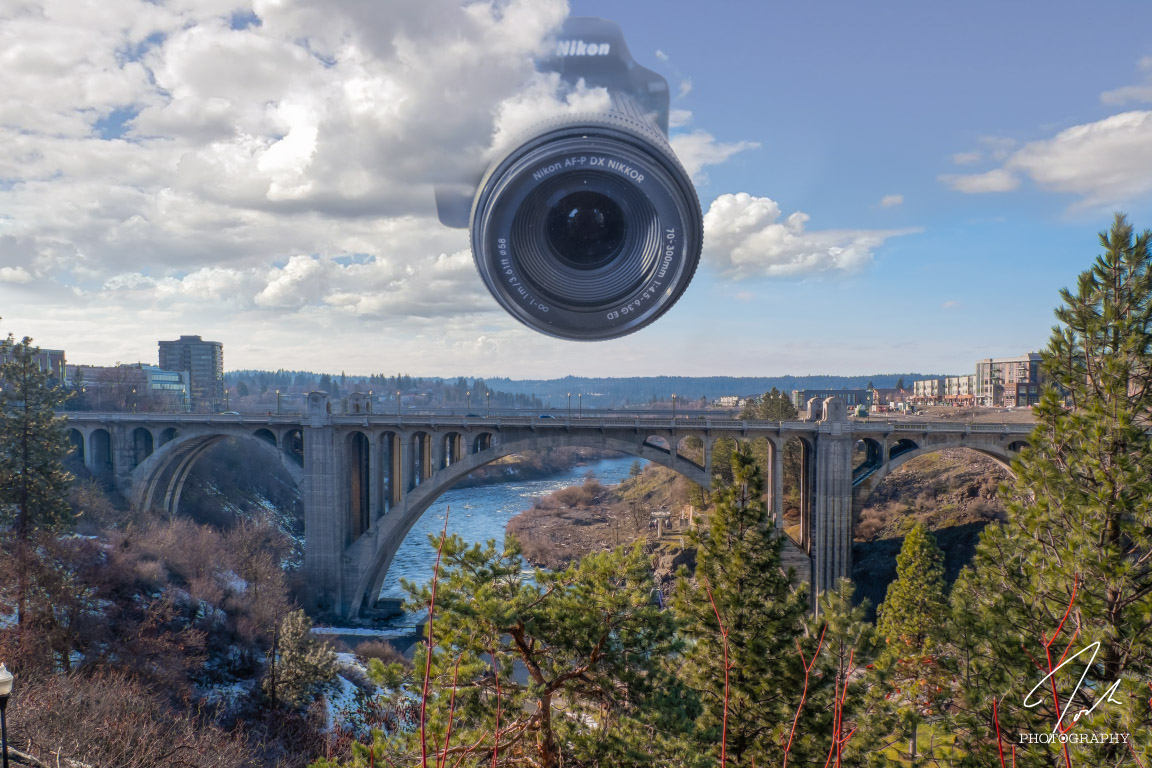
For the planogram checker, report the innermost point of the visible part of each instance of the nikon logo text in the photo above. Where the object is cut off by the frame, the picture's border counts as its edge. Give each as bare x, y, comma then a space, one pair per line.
581, 48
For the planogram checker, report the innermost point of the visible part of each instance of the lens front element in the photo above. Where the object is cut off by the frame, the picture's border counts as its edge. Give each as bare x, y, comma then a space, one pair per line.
586, 229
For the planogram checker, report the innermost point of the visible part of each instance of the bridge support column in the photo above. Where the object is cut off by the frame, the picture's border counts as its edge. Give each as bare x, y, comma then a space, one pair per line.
396, 480
831, 548
323, 518
123, 457
374, 493
776, 485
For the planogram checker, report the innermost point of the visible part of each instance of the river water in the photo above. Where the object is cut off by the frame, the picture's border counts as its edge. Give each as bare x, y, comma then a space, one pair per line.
481, 513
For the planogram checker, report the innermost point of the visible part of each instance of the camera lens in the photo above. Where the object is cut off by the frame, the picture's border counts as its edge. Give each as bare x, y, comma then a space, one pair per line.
589, 228
586, 229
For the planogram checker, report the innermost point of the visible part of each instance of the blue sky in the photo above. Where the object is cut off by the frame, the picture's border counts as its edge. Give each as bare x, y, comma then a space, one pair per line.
922, 178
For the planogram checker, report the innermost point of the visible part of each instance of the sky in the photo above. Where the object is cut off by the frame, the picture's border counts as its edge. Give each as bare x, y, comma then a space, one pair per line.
895, 186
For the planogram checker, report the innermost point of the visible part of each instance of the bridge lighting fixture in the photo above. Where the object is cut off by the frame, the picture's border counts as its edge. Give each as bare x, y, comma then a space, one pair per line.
580, 404
569, 405
5, 691
488, 401
673, 406
277, 402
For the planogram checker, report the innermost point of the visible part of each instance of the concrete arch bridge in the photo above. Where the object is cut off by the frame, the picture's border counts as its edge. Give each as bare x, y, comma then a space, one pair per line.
366, 478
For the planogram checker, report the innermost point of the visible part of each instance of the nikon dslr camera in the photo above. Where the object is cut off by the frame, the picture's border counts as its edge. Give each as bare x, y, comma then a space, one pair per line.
588, 228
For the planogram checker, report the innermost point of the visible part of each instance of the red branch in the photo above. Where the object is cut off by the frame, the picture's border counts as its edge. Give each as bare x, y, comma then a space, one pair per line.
1051, 668
839, 696
804, 696
443, 759
499, 697
428, 655
724, 638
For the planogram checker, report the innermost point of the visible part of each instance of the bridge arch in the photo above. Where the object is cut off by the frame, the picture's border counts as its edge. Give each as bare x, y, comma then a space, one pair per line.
100, 451
159, 480
1001, 455
396, 525
142, 445
76, 440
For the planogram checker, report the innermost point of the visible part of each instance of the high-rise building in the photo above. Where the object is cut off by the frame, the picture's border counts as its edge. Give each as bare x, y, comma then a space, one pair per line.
204, 363
1009, 381
51, 361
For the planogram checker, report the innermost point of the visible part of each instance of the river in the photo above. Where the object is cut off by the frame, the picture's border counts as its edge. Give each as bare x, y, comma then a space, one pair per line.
481, 513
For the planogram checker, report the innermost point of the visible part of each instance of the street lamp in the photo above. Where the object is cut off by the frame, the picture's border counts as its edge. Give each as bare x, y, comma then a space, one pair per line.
673, 406
488, 401
397, 405
5, 690
580, 404
277, 402
133, 399
467, 402
569, 405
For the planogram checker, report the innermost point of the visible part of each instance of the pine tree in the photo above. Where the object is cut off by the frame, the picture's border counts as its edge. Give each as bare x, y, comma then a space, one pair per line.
571, 668
299, 664
910, 621
33, 444
739, 584
1077, 541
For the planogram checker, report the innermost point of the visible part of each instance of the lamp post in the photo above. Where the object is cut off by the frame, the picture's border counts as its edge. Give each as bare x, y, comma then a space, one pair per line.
5, 690
133, 399
277, 402
569, 405
580, 404
397, 405
488, 402
467, 402
673, 406
371, 394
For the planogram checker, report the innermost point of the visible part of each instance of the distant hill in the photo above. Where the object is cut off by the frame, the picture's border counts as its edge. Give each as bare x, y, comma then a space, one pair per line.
597, 392
637, 390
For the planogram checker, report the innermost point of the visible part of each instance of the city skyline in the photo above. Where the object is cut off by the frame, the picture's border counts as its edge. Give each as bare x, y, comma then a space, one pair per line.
896, 189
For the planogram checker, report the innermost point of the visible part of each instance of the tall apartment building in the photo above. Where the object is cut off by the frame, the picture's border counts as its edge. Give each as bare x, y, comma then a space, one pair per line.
204, 363
1008, 381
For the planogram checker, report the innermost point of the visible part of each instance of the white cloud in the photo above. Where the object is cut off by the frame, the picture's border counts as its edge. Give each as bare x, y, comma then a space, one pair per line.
677, 118
744, 237
14, 275
1106, 162
891, 201
1141, 92
997, 180
967, 158
699, 149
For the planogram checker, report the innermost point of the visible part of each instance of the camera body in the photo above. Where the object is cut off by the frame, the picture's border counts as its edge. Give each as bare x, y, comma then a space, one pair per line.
587, 227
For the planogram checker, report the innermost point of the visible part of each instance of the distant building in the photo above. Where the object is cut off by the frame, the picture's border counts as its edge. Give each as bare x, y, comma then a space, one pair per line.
731, 401
890, 397
1008, 381
50, 361
203, 361
928, 391
960, 390
851, 397
133, 387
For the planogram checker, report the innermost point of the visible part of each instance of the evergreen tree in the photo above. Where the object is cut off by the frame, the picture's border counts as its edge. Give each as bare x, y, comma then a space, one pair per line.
1077, 541
571, 668
910, 622
839, 683
739, 583
33, 444
299, 664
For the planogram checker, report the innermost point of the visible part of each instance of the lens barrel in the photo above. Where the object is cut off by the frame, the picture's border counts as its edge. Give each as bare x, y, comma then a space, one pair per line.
589, 228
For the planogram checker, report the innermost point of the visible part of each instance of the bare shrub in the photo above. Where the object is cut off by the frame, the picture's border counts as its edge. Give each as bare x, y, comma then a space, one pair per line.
108, 719
379, 649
